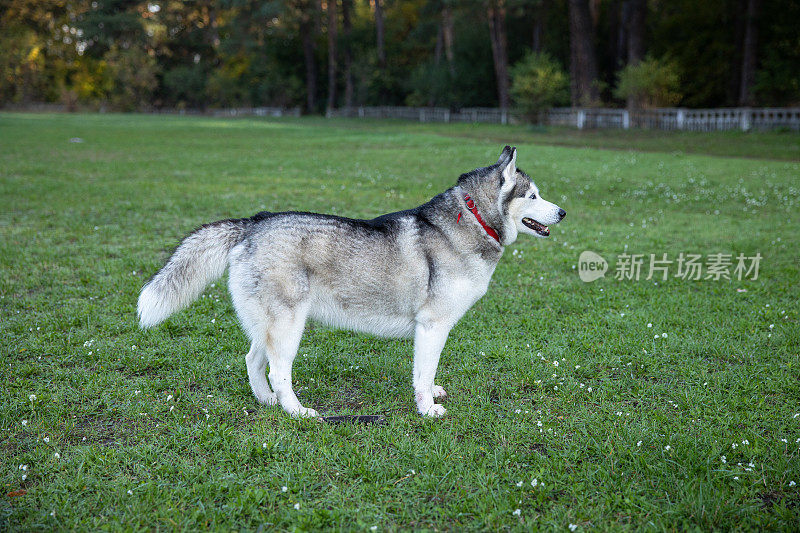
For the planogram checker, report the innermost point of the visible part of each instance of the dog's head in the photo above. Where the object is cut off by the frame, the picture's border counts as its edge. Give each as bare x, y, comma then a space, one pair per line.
511, 200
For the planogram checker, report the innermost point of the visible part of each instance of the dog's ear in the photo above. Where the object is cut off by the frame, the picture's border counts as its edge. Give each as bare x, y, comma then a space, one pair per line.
509, 172
505, 155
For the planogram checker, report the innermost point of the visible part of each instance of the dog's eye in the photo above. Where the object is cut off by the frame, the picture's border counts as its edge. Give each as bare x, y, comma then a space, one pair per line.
533, 196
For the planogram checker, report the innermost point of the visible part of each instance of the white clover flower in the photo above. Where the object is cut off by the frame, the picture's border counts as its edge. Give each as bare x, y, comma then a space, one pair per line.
265, 447
517, 512
784, 441
723, 459
24, 422
57, 455
589, 389
792, 483
664, 335
130, 492
297, 506
649, 324
169, 397
374, 528
573, 527
736, 478
667, 447
32, 397
46, 440
25, 476
639, 444
519, 483
555, 363
535, 482
284, 488
23, 467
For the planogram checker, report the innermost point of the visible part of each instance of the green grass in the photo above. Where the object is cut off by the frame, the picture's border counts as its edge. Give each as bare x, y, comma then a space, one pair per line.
159, 430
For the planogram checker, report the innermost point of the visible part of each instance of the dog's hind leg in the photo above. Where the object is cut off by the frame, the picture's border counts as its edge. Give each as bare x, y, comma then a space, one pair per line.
282, 341
256, 370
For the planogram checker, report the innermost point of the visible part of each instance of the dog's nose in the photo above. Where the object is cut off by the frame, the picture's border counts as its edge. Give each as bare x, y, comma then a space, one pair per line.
561, 213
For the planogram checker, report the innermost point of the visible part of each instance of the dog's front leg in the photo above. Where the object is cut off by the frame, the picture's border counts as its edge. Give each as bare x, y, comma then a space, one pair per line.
429, 339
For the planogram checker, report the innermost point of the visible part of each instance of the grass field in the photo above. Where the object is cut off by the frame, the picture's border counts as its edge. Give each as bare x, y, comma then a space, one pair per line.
632, 404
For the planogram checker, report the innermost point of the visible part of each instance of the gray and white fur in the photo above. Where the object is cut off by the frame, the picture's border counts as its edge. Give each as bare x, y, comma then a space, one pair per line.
410, 273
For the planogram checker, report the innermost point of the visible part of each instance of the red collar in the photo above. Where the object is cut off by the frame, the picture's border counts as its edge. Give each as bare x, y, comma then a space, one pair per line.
471, 206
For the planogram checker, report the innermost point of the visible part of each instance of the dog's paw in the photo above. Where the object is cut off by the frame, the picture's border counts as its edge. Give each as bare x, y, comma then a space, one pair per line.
305, 412
438, 392
268, 398
436, 411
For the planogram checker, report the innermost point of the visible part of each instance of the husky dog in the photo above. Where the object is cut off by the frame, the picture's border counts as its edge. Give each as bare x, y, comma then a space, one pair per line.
410, 273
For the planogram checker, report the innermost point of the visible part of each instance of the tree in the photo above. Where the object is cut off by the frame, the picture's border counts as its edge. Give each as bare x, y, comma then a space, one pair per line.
649, 83
635, 27
496, 13
332, 60
448, 35
347, 30
539, 83
749, 54
307, 13
539, 18
583, 61
380, 34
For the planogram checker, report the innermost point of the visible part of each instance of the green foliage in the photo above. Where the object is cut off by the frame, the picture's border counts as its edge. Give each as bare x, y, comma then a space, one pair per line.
187, 85
251, 51
134, 74
538, 82
650, 83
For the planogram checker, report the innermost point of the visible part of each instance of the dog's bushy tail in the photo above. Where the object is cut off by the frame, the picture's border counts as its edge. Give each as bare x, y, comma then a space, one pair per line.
199, 259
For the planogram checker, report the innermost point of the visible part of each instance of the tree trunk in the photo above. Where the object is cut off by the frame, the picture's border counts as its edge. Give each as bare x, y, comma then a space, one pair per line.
308, 30
583, 61
539, 14
496, 11
635, 25
636, 28
380, 34
437, 60
739, 14
347, 28
333, 24
448, 32
749, 54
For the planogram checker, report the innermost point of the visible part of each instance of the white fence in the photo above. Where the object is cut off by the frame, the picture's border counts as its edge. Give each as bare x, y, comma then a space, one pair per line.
739, 118
735, 118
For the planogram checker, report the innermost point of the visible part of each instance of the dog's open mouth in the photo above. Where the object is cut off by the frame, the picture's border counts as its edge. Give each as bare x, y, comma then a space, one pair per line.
541, 229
